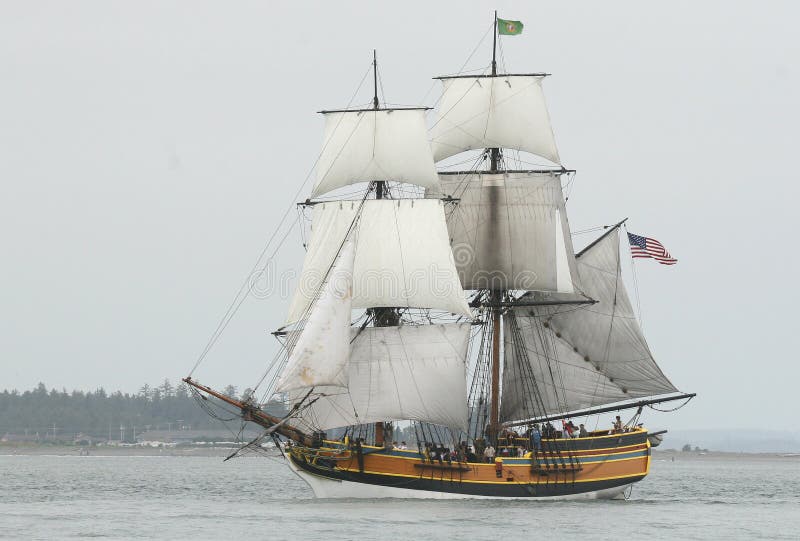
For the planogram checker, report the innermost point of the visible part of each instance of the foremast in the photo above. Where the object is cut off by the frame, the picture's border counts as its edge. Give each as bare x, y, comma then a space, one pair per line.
381, 316
403, 261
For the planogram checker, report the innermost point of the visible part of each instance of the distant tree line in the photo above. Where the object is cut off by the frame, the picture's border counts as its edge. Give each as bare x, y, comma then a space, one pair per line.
687, 448
42, 414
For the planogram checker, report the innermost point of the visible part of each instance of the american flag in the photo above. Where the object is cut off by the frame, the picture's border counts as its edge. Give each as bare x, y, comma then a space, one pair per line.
647, 247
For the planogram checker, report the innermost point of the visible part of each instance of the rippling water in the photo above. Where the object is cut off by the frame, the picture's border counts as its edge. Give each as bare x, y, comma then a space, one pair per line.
47, 497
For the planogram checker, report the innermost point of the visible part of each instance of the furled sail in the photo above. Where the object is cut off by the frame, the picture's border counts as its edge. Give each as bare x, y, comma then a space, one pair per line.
559, 359
402, 258
320, 355
509, 231
503, 111
383, 144
398, 373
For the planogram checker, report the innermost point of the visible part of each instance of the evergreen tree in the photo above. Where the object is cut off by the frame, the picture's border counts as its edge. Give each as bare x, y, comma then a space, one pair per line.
95, 414
167, 389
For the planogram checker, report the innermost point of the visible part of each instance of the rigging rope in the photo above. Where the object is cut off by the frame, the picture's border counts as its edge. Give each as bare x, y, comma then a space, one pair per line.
635, 285
461, 70
676, 408
236, 302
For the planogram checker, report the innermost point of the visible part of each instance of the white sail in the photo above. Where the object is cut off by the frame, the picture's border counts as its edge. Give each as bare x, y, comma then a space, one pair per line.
385, 144
608, 333
506, 111
320, 355
509, 231
582, 357
402, 259
398, 373
543, 375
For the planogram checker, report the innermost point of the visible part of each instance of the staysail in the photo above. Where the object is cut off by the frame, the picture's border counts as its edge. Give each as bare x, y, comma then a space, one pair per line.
320, 355
501, 111
565, 359
402, 255
411, 372
509, 231
381, 144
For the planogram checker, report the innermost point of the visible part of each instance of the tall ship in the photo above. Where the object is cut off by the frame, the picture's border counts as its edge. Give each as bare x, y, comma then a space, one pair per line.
449, 306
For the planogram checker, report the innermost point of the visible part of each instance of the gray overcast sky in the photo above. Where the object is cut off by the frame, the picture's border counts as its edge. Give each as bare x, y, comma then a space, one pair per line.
147, 150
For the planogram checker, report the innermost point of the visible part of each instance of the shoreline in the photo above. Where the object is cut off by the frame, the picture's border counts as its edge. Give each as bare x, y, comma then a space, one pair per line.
114, 451
225, 450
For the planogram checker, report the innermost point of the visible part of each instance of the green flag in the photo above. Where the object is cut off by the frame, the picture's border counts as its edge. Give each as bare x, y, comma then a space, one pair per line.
509, 28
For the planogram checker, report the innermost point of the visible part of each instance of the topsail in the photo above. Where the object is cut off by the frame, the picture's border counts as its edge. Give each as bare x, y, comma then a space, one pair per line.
402, 257
510, 231
503, 111
384, 144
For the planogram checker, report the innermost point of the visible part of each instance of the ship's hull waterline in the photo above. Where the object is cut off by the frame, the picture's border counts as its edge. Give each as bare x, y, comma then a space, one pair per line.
599, 468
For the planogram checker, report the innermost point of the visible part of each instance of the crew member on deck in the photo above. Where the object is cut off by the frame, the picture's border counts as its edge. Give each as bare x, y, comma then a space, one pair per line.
573, 430
618, 428
488, 453
536, 438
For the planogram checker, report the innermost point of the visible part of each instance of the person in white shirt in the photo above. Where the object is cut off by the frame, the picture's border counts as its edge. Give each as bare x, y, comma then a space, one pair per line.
488, 453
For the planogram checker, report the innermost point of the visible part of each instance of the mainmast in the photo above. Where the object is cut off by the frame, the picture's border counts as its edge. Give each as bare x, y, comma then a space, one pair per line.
496, 296
494, 412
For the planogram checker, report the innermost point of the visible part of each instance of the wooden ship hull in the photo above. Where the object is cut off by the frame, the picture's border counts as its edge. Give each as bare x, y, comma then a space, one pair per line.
595, 467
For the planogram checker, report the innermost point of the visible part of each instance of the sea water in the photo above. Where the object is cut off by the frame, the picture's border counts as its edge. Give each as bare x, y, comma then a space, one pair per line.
179, 497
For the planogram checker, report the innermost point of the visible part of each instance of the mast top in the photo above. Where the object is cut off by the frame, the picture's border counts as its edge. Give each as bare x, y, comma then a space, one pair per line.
375, 79
494, 46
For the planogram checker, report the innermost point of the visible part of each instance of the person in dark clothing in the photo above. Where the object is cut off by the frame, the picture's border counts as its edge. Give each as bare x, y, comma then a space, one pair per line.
536, 438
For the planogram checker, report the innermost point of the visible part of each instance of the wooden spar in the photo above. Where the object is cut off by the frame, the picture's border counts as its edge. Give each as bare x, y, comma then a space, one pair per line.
495, 152
253, 413
375, 79
478, 76
494, 413
398, 108
496, 304
380, 186
382, 316
562, 171
601, 237
606, 409
494, 420
494, 46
